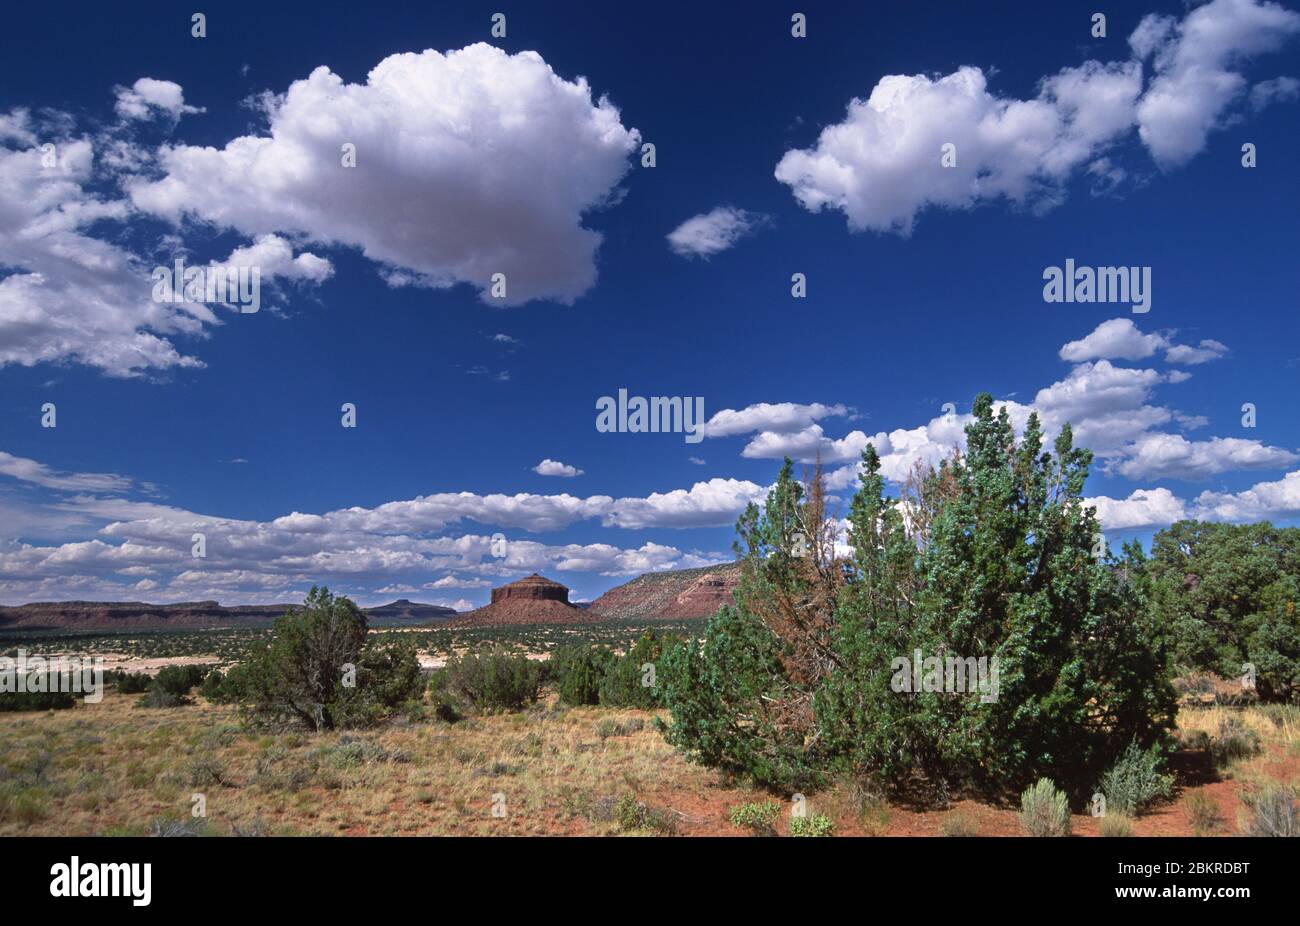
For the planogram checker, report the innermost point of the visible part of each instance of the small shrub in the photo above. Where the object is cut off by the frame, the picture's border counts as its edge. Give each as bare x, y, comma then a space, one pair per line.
179, 680
811, 825
353, 753
157, 697
611, 727
1135, 780
872, 808
215, 690
278, 770
597, 810
128, 682
256, 828
37, 700
205, 772
1271, 810
957, 823
759, 818
1044, 811
488, 680
1202, 813
1115, 824
637, 816
22, 804
1234, 740
187, 826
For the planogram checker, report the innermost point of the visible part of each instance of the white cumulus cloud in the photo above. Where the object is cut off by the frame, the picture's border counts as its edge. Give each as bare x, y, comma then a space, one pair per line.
437, 196
550, 467
148, 98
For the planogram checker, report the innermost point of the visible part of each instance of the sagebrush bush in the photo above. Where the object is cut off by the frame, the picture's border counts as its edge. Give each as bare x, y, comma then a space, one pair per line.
1271, 810
205, 772
161, 697
957, 823
1135, 780
1045, 811
633, 816
1202, 814
487, 680
1115, 824
23, 804
1233, 741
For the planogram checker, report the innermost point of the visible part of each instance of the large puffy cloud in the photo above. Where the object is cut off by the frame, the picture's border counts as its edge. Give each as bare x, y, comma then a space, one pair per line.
1160, 507
1114, 339
1121, 339
437, 194
881, 165
781, 417
713, 232
1161, 456
1196, 77
79, 298
1277, 499
75, 297
715, 503
807, 445
1143, 508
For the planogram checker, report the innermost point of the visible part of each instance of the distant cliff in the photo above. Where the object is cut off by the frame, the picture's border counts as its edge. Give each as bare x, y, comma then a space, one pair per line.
403, 610
187, 615
678, 595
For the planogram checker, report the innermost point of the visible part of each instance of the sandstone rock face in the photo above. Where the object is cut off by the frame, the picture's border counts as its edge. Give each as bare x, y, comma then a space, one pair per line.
683, 594
532, 600
532, 588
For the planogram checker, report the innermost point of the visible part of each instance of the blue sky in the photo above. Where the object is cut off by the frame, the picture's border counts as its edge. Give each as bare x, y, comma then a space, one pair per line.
523, 154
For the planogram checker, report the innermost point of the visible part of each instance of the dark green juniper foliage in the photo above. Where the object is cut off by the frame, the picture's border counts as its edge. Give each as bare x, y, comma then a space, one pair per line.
742, 701
34, 700
487, 680
315, 652
1230, 595
627, 683
994, 558
577, 671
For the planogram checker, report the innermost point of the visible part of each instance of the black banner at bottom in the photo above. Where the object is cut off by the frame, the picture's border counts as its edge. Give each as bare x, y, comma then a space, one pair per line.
141, 876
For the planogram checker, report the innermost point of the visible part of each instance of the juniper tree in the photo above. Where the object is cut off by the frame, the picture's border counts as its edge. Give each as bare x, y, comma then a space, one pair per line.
990, 555
743, 701
300, 676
